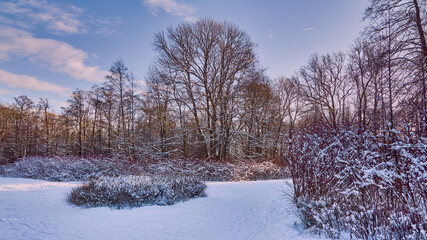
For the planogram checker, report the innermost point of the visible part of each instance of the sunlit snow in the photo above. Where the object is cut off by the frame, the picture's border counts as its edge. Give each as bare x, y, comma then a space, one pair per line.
35, 209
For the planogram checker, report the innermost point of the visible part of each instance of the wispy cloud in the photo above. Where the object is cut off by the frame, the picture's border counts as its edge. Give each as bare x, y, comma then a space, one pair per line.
23, 81
309, 29
172, 7
5, 91
53, 54
54, 17
190, 19
58, 19
59, 104
270, 34
106, 26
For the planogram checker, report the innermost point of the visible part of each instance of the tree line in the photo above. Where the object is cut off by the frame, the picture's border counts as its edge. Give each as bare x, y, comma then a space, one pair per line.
207, 95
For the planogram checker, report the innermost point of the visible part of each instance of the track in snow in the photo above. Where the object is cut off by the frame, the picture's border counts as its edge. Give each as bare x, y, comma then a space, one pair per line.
34, 209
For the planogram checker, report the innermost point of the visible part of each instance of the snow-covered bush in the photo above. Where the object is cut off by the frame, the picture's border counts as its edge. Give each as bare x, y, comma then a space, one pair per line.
241, 170
78, 169
63, 169
136, 191
260, 171
367, 185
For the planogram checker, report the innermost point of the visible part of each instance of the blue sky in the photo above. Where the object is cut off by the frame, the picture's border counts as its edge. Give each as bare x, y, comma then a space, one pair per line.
49, 48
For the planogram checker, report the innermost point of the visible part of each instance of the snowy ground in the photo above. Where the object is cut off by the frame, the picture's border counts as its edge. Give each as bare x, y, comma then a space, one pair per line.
34, 209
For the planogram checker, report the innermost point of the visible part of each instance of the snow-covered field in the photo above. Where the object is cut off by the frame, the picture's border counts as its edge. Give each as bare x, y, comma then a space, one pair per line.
34, 209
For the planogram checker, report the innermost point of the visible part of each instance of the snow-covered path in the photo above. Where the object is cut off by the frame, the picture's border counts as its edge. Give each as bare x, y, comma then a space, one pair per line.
33, 209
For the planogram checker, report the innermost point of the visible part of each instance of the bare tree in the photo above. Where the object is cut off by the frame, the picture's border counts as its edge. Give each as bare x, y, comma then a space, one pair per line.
327, 87
210, 60
23, 106
117, 81
44, 106
292, 104
78, 111
402, 23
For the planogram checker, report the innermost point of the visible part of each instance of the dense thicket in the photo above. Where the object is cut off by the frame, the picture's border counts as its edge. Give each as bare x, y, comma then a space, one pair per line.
350, 182
83, 169
360, 166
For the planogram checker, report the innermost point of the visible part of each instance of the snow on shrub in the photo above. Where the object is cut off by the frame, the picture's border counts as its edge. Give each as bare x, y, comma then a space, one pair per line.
261, 171
241, 170
80, 169
367, 185
135, 191
62, 169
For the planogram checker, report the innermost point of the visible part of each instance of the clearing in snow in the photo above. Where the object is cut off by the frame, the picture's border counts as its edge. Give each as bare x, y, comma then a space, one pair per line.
35, 209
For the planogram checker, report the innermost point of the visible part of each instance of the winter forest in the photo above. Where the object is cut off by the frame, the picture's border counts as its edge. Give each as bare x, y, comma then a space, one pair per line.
349, 127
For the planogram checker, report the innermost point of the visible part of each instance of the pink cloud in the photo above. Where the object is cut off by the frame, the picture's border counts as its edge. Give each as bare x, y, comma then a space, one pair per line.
56, 55
23, 81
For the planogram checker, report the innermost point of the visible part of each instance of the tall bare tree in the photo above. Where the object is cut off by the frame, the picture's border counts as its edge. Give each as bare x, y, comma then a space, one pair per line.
402, 24
210, 60
327, 87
